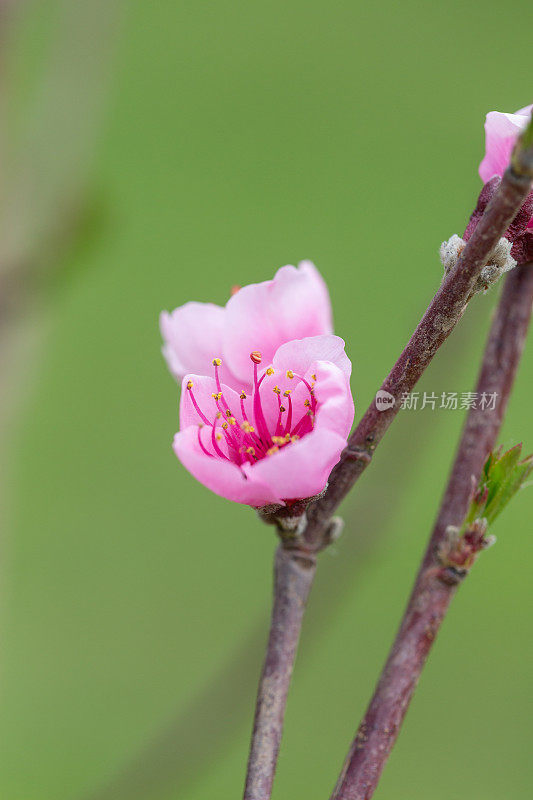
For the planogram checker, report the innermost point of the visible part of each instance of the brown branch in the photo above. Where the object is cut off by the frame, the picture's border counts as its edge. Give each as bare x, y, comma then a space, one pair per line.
435, 585
293, 577
440, 318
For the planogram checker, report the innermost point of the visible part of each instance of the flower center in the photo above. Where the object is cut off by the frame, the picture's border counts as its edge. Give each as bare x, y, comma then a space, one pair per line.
251, 436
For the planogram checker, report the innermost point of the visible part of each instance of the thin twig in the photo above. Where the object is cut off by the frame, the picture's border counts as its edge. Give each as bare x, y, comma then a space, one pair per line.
293, 577
436, 586
443, 313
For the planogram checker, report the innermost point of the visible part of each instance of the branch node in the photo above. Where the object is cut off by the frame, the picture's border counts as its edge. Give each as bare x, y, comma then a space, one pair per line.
358, 454
499, 261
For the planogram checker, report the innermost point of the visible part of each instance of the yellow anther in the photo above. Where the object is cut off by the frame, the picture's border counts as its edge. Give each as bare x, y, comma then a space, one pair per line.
250, 451
270, 371
279, 440
295, 438
231, 420
217, 362
290, 374
276, 389
243, 394
218, 415
224, 425
286, 393
190, 384
307, 403
287, 437
247, 428
216, 395
228, 412
313, 377
218, 436
282, 409
272, 450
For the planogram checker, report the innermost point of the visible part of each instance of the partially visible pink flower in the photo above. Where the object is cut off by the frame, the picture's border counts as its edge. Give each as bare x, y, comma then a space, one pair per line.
266, 405
501, 132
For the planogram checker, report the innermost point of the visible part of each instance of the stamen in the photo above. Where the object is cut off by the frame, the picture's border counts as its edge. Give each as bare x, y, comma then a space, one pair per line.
195, 404
307, 384
258, 409
288, 424
206, 451
217, 362
251, 431
305, 422
215, 438
281, 409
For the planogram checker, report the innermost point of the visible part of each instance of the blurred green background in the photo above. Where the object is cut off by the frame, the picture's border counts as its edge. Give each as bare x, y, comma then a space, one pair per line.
159, 152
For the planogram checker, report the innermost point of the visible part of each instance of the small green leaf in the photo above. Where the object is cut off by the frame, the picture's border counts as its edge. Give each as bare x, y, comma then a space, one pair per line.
503, 475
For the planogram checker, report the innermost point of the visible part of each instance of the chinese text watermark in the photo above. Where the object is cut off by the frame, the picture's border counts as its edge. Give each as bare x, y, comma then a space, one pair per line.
449, 401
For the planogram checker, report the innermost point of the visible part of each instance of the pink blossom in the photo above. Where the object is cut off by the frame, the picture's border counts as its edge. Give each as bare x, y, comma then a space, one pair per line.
266, 406
501, 132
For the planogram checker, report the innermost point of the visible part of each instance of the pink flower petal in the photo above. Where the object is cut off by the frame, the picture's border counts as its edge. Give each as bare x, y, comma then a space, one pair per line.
262, 316
300, 469
501, 131
193, 335
335, 402
299, 355
222, 477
